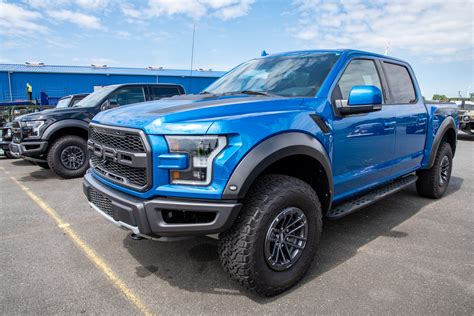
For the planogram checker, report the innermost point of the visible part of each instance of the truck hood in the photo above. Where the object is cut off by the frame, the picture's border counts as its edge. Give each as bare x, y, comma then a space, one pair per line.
56, 114
192, 114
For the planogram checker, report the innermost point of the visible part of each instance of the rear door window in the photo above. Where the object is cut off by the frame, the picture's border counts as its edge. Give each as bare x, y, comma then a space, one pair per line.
126, 96
163, 92
401, 85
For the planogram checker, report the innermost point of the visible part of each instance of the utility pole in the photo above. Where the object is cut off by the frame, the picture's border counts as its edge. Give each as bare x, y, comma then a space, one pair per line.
192, 61
387, 47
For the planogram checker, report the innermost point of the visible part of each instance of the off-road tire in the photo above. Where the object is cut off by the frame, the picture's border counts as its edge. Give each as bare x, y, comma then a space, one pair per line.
241, 248
54, 156
428, 183
43, 165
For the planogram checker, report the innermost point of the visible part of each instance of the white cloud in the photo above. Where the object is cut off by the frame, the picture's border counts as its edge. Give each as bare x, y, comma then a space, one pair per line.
61, 4
437, 29
78, 18
123, 34
238, 9
223, 9
17, 21
92, 4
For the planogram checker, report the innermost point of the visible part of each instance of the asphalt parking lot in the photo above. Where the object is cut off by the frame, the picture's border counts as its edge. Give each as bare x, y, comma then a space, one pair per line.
402, 255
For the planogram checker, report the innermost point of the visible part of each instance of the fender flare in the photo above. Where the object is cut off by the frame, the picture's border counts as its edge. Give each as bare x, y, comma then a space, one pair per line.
270, 151
448, 123
50, 130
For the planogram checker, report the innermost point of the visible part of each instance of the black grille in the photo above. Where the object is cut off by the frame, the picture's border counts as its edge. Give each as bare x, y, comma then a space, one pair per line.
102, 202
132, 143
117, 154
16, 132
118, 172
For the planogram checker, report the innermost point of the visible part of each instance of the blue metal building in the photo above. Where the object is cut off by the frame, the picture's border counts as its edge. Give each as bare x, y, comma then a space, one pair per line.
58, 81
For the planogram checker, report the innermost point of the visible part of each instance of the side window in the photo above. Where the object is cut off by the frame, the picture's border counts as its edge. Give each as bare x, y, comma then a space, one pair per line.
360, 72
127, 96
401, 85
75, 101
163, 92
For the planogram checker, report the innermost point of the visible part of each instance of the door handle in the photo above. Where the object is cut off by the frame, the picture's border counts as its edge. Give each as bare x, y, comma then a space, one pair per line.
389, 124
421, 120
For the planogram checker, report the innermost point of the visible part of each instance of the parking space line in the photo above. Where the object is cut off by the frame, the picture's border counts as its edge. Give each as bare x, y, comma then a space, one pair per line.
87, 250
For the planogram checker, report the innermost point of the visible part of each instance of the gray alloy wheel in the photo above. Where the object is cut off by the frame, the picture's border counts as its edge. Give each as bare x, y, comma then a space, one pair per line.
72, 157
286, 239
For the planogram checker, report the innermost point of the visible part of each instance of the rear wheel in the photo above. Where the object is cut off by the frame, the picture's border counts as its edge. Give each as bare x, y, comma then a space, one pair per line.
432, 183
274, 239
68, 157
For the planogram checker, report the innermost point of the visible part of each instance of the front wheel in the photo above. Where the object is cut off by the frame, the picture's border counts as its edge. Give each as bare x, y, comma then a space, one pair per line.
68, 157
432, 183
274, 239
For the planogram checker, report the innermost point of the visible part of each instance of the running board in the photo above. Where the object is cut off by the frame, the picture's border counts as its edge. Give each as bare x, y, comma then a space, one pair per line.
370, 197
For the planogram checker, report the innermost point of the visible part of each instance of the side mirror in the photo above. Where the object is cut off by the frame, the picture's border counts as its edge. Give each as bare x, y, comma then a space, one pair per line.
105, 105
363, 99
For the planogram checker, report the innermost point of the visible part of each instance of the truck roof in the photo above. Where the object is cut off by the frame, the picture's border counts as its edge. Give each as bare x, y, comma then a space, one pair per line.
335, 51
145, 84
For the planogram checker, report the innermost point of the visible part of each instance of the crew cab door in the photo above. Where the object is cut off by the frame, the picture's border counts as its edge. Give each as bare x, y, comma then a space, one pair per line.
363, 144
158, 92
126, 95
411, 118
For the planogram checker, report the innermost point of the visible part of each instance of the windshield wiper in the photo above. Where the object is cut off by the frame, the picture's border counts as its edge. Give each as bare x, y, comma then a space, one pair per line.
253, 92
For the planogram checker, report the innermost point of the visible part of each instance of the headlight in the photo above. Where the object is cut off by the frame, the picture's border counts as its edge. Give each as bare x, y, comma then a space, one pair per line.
201, 152
33, 128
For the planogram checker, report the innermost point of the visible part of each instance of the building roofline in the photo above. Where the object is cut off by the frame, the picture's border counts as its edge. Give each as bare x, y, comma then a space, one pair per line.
61, 69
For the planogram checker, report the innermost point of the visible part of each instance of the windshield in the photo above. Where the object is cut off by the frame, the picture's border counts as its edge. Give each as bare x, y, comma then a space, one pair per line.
467, 106
63, 103
289, 76
94, 98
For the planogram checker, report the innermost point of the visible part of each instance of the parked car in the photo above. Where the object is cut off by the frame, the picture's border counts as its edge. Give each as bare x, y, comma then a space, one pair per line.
6, 134
70, 100
466, 118
9, 114
57, 138
266, 152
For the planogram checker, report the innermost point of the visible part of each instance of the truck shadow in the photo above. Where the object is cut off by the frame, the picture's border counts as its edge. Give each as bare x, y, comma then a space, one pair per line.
39, 175
465, 137
193, 264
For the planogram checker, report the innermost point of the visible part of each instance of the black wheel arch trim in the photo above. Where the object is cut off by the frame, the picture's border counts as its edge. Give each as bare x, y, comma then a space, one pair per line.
56, 126
448, 123
270, 151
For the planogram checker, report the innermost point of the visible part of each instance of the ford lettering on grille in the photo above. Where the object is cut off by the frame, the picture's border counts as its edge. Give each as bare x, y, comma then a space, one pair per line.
120, 155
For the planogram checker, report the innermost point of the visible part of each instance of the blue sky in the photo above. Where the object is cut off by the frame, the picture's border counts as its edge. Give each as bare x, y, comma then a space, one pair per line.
435, 36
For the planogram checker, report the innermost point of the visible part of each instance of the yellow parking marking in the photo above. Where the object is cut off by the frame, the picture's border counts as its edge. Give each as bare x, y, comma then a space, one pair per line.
87, 250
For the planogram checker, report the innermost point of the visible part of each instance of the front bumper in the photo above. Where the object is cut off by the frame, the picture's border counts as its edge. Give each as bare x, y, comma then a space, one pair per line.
29, 149
145, 217
5, 145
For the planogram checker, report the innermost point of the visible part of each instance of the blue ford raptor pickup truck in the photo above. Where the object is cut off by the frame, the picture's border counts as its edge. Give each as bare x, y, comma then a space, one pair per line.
266, 152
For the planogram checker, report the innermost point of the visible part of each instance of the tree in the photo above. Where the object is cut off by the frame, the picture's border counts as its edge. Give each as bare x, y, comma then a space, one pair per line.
440, 97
